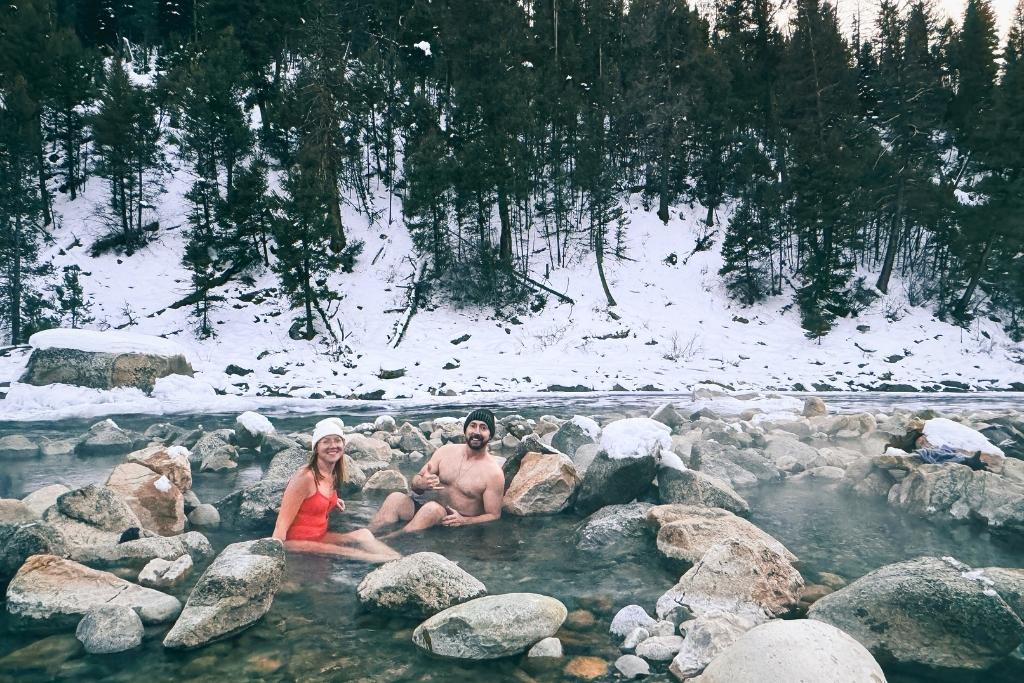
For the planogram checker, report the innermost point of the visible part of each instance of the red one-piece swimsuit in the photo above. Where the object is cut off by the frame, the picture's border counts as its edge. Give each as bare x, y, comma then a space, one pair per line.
310, 523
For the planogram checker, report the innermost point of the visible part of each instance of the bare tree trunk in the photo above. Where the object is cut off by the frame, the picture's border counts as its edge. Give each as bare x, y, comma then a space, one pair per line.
894, 236
965, 300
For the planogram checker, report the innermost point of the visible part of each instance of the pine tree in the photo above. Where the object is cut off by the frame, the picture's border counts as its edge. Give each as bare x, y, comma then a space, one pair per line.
72, 303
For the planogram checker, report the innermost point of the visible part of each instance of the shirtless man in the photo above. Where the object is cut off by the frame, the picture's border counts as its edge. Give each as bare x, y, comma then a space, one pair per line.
463, 482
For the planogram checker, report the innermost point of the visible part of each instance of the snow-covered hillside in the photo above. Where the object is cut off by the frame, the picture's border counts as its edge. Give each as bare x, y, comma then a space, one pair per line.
676, 325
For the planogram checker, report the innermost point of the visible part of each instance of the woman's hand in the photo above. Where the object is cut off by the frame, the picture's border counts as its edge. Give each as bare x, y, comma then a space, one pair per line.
340, 505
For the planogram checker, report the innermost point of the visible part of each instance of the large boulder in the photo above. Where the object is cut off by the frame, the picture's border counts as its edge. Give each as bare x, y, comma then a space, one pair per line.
19, 541
686, 532
109, 629
801, 650
214, 452
611, 481
747, 578
491, 627
17, 447
927, 611
531, 443
739, 467
614, 528
409, 438
365, 448
544, 485
51, 592
89, 516
421, 585
251, 428
955, 491
690, 487
157, 502
105, 438
789, 454
231, 595
570, 436
102, 360
142, 550
170, 461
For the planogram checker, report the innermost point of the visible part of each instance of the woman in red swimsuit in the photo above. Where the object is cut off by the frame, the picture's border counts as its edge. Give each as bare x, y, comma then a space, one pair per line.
311, 497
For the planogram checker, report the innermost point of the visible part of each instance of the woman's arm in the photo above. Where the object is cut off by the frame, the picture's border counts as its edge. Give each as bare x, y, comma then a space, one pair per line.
300, 487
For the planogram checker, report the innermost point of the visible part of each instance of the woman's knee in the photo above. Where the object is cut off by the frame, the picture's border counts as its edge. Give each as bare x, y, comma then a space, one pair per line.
361, 535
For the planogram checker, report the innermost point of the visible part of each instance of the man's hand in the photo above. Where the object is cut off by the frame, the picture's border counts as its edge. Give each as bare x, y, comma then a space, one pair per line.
453, 518
431, 481
340, 505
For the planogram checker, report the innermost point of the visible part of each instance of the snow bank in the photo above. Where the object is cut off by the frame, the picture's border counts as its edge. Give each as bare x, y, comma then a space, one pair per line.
635, 437
254, 423
943, 432
181, 387
105, 342
592, 429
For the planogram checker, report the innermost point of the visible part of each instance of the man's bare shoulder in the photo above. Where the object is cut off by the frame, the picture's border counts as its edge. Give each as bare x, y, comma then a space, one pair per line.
446, 451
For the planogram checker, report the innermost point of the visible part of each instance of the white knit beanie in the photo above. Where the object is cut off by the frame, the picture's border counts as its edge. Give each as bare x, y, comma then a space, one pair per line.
327, 427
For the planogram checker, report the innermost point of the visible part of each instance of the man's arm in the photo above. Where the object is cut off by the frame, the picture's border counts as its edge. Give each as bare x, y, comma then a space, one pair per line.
493, 495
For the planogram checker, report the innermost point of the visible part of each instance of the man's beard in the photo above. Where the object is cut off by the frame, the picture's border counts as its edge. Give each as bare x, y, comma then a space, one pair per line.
473, 440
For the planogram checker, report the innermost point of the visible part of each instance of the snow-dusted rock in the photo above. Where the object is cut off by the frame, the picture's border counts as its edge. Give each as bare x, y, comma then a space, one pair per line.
421, 584
706, 636
544, 485
384, 423
491, 627
667, 415
635, 437
105, 438
747, 577
251, 428
17, 447
614, 527
686, 532
50, 592
385, 481
160, 573
231, 595
690, 487
157, 502
102, 360
548, 647
801, 650
170, 461
629, 618
142, 550
941, 431
928, 611
569, 437
109, 629
659, 648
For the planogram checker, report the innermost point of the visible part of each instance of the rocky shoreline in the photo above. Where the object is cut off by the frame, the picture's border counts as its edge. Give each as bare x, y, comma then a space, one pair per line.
110, 561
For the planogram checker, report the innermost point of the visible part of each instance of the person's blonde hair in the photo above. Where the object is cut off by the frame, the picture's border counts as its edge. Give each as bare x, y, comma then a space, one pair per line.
340, 473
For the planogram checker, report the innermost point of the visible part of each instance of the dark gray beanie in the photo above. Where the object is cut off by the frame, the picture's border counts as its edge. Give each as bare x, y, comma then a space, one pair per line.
483, 415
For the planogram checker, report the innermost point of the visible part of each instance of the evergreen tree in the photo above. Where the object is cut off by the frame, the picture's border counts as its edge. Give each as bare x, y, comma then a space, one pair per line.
72, 303
974, 61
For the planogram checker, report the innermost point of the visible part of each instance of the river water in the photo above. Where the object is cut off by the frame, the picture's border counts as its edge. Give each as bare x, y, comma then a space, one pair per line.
316, 629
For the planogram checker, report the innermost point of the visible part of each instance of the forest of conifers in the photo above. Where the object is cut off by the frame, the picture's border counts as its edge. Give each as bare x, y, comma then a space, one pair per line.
506, 135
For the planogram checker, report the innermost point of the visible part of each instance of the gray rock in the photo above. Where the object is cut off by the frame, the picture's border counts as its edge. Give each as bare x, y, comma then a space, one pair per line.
491, 627
164, 432
745, 578
386, 481
17, 447
359, 448
738, 467
549, 647
667, 414
18, 542
786, 452
14, 511
631, 666
421, 584
103, 439
686, 532
101, 370
191, 500
814, 407
410, 439
585, 455
569, 437
955, 491
634, 638
690, 487
204, 516
659, 648
234, 592
706, 637
927, 611
517, 425
275, 443
1009, 583
614, 528
56, 448
50, 592
140, 551
802, 650
96, 506
160, 573
108, 629
610, 481
663, 627
629, 618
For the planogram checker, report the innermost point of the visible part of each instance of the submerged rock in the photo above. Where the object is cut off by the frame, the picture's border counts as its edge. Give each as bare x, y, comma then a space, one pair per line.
421, 585
549, 647
545, 484
109, 629
689, 487
747, 578
17, 447
614, 528
928, 611
50, 592
802, 650
231, 595
491, 627
686, 532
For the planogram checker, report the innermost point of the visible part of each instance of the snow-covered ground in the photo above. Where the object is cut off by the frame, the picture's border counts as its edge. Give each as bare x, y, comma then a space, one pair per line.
676, 328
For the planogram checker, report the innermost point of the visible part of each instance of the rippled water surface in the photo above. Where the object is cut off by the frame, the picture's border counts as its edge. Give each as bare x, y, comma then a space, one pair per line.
317, 631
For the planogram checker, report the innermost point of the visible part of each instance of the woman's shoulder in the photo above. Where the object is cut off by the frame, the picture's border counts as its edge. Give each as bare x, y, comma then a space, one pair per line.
303, 480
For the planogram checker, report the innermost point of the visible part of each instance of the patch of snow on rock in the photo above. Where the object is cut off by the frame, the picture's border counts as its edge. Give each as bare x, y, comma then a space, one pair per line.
635, 437
255, 423
424, 46
592, 429
941, 431
163, 484
109, 341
